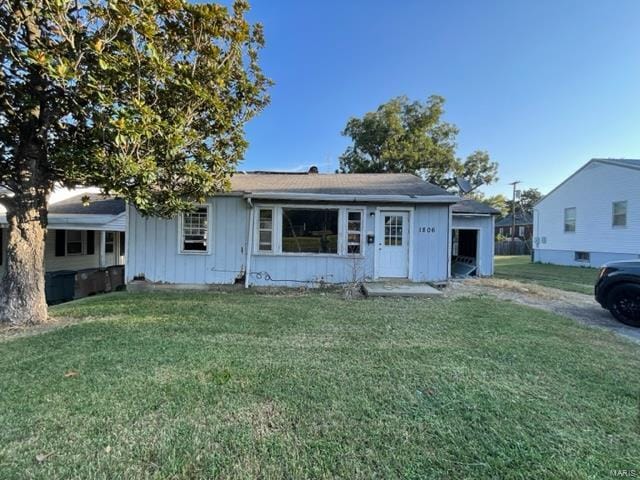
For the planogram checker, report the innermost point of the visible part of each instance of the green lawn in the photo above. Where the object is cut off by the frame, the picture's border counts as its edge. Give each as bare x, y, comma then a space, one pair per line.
520, 268
243, 385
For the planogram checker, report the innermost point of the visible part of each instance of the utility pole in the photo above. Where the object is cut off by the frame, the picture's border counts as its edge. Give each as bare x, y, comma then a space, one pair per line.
513, 216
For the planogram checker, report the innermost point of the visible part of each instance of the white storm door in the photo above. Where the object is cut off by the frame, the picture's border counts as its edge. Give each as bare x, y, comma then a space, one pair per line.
393, 244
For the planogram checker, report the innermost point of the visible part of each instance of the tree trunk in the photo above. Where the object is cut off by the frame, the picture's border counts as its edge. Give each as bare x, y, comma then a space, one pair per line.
22, 297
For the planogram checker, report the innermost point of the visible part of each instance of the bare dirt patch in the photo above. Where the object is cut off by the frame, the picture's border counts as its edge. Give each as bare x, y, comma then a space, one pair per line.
580, 307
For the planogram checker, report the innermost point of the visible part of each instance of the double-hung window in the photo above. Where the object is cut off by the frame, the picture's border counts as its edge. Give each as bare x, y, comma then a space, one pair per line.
570, 219
74, 242
265, 229
619, 214
354, 232
109, 242
194, 235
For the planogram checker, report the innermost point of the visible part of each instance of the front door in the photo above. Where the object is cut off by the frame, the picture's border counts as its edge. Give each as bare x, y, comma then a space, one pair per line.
393, 244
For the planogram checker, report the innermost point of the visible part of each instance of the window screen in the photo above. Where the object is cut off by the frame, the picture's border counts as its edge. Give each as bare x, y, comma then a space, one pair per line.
309, 231
195, 230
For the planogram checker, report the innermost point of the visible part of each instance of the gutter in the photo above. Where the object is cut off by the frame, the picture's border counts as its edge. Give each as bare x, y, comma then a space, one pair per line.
445, 199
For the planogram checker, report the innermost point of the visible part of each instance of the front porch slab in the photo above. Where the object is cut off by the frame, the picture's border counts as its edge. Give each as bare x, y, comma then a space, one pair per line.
398, 289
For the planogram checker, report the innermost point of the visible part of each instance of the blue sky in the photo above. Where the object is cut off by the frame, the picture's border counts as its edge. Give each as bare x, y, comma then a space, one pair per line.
542, 85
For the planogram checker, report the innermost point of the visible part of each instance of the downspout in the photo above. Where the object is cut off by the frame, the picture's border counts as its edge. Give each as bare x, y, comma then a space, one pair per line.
247, 270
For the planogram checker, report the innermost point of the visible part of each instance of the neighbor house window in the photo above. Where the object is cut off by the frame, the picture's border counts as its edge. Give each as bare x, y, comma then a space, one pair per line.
570, 219
619, 214
195, 230
582, 256
74, 242
309, 230
354, 232
265, 230
521, 232
109, 242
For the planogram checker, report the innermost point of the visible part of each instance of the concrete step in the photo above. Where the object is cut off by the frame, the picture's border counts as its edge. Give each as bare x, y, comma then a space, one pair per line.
394, 289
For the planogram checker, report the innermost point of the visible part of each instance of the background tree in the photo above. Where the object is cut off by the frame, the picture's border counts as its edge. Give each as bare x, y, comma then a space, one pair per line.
499, 201
528, 198
411, 137
145, 99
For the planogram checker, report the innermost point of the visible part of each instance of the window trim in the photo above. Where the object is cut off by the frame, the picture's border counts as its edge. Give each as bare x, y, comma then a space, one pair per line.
181, 249
575, 220
277, 230
112, 242
613, 213
257, 230
83, 244
361, 211
582, 260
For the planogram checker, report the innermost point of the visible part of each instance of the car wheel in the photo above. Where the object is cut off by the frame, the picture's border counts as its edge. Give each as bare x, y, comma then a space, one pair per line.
624, 303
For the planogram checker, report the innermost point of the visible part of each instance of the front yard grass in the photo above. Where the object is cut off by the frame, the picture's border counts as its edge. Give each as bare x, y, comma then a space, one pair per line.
571, 279
243, 385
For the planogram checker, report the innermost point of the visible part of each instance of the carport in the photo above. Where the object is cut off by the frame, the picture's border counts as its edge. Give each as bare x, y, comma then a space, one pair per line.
472, 239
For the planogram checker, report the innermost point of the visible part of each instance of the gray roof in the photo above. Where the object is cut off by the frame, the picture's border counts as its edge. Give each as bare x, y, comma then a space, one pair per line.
97, 205
335, 184
521, 219
474, 207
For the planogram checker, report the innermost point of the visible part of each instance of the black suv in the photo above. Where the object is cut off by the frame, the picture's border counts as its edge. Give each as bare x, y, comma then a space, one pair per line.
618, 290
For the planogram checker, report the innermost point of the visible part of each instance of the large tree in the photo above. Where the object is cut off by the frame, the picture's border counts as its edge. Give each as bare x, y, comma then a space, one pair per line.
526, 202
145, 99
411, 137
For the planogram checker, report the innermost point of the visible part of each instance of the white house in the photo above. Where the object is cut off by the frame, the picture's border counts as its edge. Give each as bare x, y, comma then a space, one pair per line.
307, 229
81, 235
592, 217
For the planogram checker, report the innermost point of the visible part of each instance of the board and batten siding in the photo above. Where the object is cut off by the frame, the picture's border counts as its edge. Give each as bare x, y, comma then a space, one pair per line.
484, 224
153, 247
592, 192
431, 241
153, 250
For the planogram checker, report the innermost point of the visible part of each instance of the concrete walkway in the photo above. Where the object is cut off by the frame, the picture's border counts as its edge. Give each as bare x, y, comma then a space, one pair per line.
399, 289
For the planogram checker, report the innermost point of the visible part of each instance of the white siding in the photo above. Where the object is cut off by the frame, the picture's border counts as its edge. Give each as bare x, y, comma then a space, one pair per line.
484, 225
592, 192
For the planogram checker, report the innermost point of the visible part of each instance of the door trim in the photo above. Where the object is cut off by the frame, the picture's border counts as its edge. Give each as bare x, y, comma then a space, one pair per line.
378, 218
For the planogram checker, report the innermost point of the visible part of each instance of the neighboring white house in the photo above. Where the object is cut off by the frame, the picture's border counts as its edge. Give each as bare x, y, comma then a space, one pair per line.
307, 229
80, 235
592, 217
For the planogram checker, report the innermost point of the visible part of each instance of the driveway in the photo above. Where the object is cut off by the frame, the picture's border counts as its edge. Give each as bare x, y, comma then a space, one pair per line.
580, 307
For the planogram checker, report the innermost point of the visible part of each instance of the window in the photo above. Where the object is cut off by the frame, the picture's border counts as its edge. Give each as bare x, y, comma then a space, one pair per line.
195, 230
570, 219
309, 230
265, 230
109, 242
582, 256
393, 230
74, 242
354, 232
619, 214
521, 231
